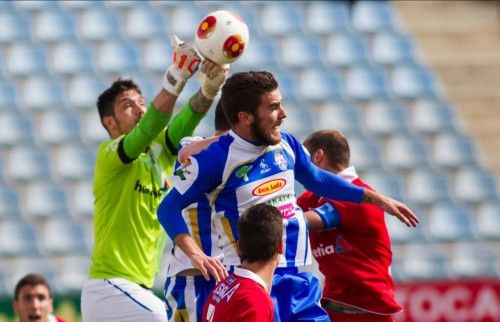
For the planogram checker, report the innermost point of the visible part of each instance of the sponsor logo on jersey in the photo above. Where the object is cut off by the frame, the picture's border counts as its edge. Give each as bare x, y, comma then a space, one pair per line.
243, 172
139, 187
321, 250
224, 291
280, 160
182, 171
269, 187
264, 168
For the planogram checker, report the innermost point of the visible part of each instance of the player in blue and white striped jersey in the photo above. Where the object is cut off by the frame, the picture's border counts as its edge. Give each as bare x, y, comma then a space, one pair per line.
257, 163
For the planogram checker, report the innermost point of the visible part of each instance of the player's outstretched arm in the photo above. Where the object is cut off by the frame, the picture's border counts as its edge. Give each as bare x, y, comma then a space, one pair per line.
391, 206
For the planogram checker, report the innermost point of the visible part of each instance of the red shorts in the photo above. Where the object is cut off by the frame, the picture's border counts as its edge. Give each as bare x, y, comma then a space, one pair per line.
368, 317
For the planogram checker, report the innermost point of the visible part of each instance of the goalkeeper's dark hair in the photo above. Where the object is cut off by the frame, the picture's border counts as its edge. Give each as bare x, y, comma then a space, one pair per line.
220, 122
31, 279
260, 231
333, 143
106, 99
242, 92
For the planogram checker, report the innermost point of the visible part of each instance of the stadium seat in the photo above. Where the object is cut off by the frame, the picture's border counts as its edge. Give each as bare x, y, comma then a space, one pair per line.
142, 23
71, 273
8, 97
472, 260
259, 54
9, 203
299, 52
392, 49
44, 200
279, 20
345, 50
71, 58
413, 82
78, 6
26, 163
82, 199
125, 4
385, 119
433, 117
14, 26
373, 16
93, 131
82, 91
72, 162
25, 264
299, 121
116, 57
62, 236
426, 186
365, 83
424, 262
400, 233
24, 59
386, 183
488, 220
15, 129
472, 185
30, 6
53, 26
183, 20
41, 93
287, 84
326, 17
343, 118
405, 152
365, 153
317, 85
157, 54
98, 25
450, 222
57, 128
451, 151
17, 238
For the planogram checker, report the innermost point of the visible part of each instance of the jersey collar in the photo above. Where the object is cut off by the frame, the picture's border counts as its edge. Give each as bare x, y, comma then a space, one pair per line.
348, 174
251, 275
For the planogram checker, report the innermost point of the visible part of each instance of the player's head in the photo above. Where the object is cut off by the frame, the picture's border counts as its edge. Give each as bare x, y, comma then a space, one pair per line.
32, 298
329, 149
220, 122
121, 107
253, 103
260, 233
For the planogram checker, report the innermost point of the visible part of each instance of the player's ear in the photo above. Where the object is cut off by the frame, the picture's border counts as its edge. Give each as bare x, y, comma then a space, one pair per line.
238, 248
318, 156
245, 118
109, 122
280, 248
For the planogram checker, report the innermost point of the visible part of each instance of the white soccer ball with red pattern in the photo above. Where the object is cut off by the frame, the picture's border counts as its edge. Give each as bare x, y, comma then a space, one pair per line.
222, 37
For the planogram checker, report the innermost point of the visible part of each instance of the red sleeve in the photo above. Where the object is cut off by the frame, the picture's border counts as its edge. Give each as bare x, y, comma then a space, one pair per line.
308, 200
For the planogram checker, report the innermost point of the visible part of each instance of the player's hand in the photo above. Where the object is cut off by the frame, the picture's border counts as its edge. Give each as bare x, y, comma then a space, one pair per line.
212, 77
185, 63
392, 207
209, 266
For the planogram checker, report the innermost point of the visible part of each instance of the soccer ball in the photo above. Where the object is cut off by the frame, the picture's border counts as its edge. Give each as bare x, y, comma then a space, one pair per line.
222, 37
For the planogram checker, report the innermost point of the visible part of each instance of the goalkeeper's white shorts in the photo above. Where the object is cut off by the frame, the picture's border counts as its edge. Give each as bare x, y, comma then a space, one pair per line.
117, 299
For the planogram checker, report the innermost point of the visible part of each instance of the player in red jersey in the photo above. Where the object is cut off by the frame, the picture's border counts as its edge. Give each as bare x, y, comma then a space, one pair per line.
244, 294
355, 256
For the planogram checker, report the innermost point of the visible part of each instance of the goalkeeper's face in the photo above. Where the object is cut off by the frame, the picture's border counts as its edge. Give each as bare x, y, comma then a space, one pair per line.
268, 118
128, 110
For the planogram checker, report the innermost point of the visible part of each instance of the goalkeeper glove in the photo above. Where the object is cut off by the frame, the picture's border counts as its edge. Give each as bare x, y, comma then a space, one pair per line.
212, 77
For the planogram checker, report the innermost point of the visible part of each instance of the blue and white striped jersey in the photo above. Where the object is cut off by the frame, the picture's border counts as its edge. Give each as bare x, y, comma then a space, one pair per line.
235, 174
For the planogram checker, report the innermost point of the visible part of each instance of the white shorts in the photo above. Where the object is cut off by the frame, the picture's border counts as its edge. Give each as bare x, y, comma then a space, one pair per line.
119, 300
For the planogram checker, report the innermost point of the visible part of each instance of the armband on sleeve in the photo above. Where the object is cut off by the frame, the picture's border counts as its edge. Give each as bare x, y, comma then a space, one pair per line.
329, 215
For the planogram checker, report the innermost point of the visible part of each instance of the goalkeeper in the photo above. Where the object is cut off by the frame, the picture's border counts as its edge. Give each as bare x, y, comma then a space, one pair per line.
129, 182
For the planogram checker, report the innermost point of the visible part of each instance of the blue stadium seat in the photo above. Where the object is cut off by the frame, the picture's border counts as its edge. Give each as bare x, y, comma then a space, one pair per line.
82, 200
326, 17
183, 20
24, 59
343, 118
474, 185
384, 119
41, 93
98, 25
400, 233
391, 49
25, 264
488, 220
72, 273
373, 16
433, 116
299, 52
25, 164
15, 129
14, 27
451, 151
259, 54
426, 187
125, 4
365, 154
82, 91
345, 50
17, 238
62, 236
365, 83
93, 131
157, 54
8, 97
53, 25
9, 203
450, 222
71, 58
317, 85
386, 183
279, 20
78, 6
35, 6
72, 162
299, 121
142, 23
422, 262
57, 127
472, 260
413, 82
45, 200
116, 57
406, 152
287, 84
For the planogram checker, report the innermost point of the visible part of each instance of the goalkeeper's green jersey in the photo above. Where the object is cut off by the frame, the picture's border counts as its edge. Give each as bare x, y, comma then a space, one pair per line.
128, 239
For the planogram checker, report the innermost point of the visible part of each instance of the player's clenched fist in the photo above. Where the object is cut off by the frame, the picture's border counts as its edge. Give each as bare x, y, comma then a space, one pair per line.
185, 63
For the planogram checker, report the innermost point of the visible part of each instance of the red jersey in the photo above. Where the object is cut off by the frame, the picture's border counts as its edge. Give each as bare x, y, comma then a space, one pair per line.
242, 296
355, 258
